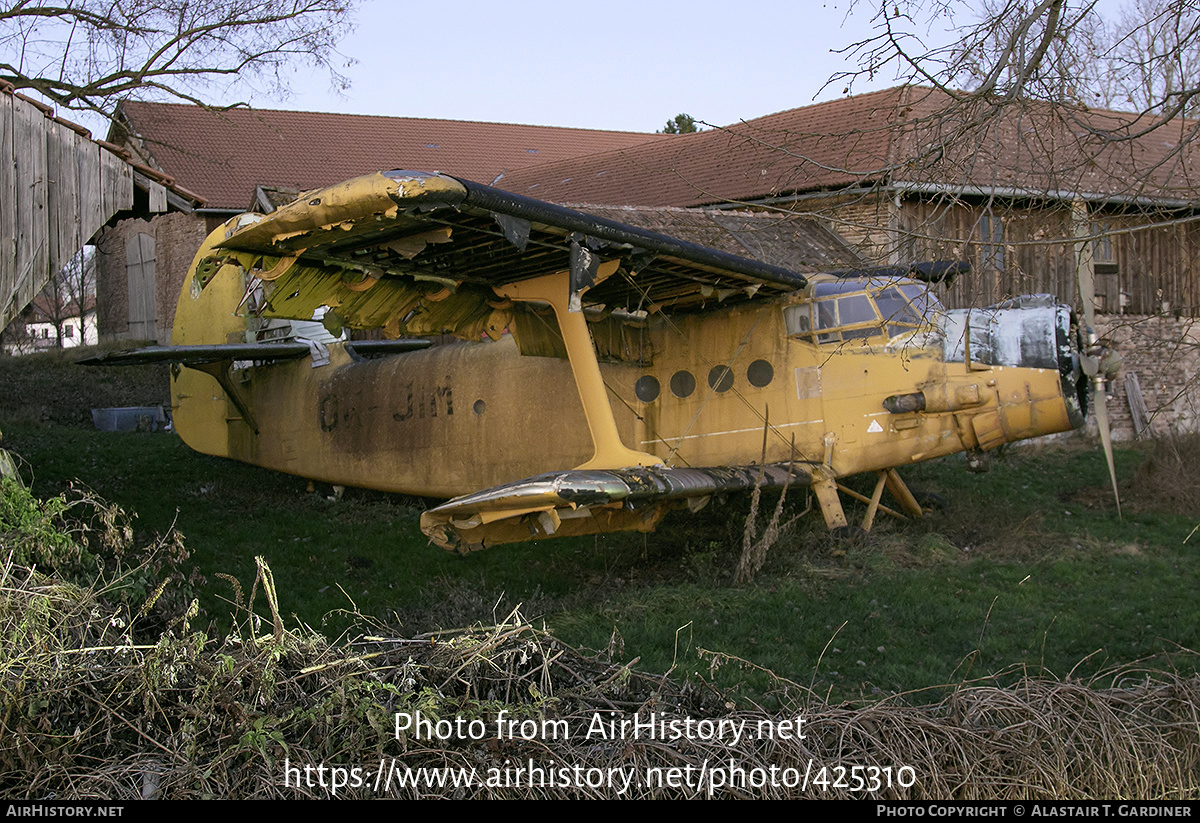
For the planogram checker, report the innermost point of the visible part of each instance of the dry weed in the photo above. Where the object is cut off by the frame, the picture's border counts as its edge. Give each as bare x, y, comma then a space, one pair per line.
1169, 480
88, 713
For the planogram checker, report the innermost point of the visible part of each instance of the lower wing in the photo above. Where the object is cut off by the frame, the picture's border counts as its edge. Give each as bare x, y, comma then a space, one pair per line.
570, 503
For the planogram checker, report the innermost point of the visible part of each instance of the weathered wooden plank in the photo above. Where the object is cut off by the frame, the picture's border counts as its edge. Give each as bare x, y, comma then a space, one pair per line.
72, 152
158, 198
51, 182
90, 214
8, 224
1137, 405
32, 226
62, 200
116, 184
140, 268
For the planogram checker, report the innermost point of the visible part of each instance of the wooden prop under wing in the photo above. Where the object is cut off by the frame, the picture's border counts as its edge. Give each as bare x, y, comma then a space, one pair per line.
571, 503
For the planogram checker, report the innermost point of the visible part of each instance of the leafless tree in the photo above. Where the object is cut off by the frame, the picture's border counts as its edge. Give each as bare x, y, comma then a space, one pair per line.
64, 303
1053, 50
1018, 92
1152, 55
87, 54
70, 295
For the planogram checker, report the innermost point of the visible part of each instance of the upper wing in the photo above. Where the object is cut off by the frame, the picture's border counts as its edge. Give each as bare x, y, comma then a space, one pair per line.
420, 253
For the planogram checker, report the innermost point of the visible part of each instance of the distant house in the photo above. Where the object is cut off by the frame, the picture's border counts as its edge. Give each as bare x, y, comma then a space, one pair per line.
49, 325
233, 161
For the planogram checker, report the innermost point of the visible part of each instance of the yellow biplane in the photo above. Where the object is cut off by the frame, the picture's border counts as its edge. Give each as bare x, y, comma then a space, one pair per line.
603, 374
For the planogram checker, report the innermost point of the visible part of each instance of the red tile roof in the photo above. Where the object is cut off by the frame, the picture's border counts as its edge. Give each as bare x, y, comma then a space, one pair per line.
900, 134
794, 150
1049, 150
223, 156
46, 309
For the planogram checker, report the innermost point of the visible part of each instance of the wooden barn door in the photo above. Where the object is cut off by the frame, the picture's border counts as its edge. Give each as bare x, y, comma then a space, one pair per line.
139, 267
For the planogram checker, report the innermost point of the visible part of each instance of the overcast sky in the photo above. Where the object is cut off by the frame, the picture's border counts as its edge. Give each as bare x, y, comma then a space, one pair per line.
620, 64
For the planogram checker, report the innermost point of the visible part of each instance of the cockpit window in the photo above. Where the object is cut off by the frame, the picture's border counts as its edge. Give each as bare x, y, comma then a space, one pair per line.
855, 309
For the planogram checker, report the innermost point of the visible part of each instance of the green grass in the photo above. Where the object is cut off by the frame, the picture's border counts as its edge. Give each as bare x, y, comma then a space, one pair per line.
1027, 566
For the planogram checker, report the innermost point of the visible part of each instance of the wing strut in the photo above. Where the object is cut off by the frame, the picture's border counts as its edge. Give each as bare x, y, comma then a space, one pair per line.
560, 290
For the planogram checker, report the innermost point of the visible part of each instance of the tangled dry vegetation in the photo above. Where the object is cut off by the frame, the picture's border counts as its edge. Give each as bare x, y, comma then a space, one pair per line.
106, 695
1169, 480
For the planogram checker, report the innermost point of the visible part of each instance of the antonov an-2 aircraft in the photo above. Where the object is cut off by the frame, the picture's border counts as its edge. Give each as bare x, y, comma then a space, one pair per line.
604, 374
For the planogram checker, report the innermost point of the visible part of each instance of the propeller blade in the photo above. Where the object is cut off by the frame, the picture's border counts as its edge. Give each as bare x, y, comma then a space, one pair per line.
1089, 359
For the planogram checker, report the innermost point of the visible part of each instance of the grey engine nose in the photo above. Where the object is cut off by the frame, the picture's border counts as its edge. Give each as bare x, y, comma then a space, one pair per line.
1030, 331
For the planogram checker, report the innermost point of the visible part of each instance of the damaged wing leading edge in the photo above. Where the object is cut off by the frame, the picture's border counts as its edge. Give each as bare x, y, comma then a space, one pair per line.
416, 253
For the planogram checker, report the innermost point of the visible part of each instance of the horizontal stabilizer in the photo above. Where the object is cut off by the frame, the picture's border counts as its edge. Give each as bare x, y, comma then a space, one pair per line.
579, 502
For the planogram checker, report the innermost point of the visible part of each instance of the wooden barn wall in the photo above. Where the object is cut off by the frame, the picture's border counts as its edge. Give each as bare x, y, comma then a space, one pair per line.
865, 222
57, 188
1142, 268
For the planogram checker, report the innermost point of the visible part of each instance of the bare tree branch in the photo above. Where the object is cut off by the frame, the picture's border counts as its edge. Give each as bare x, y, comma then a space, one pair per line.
87, 54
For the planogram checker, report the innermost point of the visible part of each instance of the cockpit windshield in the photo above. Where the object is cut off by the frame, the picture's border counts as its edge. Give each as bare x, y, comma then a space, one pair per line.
857, 308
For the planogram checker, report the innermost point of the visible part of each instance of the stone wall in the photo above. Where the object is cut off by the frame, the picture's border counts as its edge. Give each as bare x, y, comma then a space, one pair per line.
176, 236
1164, 352
865, 223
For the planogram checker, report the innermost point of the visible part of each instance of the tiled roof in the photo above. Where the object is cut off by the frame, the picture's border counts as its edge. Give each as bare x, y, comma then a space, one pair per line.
1042, 149
224, 156
796, 150
788, 240
900, 134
